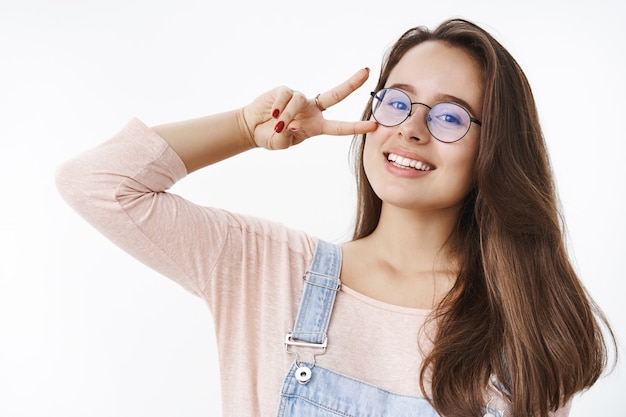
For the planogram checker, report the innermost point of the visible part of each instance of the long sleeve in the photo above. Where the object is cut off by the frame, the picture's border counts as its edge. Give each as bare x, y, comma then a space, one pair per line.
247, 269
119, 187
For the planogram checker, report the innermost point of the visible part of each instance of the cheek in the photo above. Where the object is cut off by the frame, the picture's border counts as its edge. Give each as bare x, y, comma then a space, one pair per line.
370, 153
465, 170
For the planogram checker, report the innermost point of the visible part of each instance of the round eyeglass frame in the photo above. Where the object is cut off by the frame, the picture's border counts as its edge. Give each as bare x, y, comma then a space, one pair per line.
376, 99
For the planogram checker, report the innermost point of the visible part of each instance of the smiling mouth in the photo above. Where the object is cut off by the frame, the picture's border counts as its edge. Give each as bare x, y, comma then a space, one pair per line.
407, 163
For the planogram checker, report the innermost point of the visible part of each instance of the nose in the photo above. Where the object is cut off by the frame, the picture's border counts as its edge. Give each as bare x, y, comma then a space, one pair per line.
415, 126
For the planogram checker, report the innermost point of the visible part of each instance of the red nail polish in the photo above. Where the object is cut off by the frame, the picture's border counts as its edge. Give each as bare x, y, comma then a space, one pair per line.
279, 127
275, 113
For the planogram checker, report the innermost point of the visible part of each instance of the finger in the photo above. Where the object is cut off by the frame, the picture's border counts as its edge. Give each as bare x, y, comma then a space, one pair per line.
282, 97
340, 128
296, 103
282, 140
343, 90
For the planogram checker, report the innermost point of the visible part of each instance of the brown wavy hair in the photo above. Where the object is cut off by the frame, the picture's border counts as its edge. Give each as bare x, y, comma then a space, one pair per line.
518, 310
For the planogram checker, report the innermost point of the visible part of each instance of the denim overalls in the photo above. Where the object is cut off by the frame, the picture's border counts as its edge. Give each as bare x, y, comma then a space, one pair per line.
312, 391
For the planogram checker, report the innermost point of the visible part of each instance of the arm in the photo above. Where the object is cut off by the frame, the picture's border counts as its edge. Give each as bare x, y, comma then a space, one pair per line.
204, 141
276, 120
119, 186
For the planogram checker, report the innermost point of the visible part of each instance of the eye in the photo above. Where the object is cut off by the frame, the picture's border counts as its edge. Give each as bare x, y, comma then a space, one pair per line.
449, 115
398, 104
449, 119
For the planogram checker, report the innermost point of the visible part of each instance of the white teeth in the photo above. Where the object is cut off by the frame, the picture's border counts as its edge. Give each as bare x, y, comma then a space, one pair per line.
407, 163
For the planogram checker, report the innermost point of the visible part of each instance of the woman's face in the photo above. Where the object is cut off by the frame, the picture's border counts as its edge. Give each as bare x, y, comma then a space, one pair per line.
430, 73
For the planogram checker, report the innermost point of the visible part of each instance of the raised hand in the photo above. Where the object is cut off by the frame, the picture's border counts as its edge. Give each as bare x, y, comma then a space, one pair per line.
283, 117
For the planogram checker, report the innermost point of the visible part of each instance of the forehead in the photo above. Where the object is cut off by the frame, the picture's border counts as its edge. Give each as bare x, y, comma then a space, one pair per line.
434, 69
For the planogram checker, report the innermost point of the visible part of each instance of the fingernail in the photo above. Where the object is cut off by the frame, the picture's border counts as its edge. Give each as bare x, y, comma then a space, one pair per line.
275, 113
367, 69
293, 129
279, 127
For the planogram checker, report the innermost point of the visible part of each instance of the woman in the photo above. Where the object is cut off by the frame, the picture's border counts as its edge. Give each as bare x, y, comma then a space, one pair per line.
455, 297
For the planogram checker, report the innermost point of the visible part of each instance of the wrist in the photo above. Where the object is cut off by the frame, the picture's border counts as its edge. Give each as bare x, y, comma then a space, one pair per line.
247, 131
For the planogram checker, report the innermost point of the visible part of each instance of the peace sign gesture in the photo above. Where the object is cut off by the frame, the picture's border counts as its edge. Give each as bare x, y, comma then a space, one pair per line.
283, 117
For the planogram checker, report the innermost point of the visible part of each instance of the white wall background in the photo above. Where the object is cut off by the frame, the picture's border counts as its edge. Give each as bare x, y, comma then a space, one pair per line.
87, 331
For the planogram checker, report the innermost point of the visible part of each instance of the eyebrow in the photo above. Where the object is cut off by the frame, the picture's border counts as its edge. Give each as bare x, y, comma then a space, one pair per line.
440, 97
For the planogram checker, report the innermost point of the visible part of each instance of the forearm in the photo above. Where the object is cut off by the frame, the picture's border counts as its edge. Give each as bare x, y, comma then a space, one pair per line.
207, 140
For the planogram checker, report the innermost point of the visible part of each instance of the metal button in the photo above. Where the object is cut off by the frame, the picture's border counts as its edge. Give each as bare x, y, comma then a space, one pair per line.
303, 374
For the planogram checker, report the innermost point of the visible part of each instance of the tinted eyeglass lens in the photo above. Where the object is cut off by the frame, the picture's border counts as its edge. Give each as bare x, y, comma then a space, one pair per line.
447, 122
391, 107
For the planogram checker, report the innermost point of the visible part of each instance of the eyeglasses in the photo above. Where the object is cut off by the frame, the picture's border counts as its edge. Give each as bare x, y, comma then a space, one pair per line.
447, 122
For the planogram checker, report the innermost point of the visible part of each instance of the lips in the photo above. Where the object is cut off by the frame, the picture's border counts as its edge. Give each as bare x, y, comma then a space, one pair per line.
408, 163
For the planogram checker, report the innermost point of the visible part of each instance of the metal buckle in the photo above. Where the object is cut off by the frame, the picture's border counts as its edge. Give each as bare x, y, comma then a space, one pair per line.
303, 373
289, 341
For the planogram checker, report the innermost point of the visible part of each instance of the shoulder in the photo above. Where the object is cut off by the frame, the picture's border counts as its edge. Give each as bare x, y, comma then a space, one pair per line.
255, 232
256, 249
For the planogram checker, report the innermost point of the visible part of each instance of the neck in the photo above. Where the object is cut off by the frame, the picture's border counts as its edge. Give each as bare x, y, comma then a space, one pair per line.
415, 239
406, 260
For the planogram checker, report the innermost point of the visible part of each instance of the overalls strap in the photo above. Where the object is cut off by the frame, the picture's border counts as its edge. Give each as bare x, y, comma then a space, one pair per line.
321, 283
